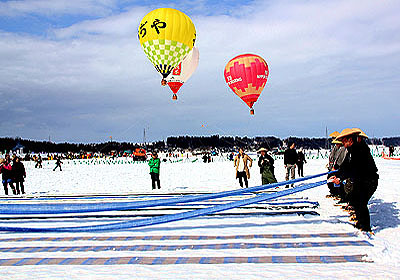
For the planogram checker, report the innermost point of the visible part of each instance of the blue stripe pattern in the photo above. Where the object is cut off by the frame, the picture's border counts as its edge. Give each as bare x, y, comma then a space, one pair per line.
277, 259
302, 259
42, 261
21, 262
66, 261
326, 259
158, 260
221, 246
229, 260
111, 261
205, 260
182, 260
88, 261
135, 260
59, 208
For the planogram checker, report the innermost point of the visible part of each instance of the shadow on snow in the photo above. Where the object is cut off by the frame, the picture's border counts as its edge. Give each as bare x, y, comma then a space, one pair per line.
383, 214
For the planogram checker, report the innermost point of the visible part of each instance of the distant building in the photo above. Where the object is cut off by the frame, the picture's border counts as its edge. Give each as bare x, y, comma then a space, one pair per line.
19, 148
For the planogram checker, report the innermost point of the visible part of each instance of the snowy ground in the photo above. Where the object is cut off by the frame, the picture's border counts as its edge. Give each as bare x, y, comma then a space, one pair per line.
84, 177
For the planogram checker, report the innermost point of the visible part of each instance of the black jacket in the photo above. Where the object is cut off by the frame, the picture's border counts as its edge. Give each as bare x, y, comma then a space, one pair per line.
266, 162
290, 156
359, 164
18, 171
301, 158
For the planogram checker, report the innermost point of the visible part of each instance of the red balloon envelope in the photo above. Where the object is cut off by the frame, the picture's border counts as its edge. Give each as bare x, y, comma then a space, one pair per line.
247, 75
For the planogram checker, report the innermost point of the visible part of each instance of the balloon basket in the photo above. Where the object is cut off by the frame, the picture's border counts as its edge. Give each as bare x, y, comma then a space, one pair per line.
174, 97
163, 82
251, 111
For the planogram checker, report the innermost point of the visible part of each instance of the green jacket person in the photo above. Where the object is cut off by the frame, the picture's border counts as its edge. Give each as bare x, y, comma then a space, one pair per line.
154, 164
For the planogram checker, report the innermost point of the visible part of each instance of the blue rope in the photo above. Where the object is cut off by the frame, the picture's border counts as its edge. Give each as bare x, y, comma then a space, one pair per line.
170, 217
293, 202
268, 203
61, 208
84, 197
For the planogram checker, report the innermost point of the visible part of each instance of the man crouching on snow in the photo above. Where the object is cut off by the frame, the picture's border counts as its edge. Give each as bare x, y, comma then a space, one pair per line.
360, 171
242, 170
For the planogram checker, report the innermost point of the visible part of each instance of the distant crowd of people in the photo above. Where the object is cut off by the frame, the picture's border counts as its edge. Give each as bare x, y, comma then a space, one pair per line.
38, 162
243, 163
292, 160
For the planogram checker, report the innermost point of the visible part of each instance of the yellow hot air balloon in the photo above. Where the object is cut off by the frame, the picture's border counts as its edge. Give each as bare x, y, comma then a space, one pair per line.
166, 36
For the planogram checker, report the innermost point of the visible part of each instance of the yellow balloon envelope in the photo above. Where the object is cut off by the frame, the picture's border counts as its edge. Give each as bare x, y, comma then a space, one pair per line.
166, 36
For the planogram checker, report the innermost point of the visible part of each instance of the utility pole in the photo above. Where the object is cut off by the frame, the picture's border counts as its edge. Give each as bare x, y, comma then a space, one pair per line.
144, 137
326, 137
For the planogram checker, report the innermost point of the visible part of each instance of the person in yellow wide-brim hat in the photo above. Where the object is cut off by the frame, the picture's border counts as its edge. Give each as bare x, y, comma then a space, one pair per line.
334, 134
347, 132
336, 157
266, 164
361, 175
362, 133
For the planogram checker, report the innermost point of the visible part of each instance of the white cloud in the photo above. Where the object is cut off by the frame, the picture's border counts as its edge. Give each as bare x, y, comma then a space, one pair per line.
122, 25
57, 7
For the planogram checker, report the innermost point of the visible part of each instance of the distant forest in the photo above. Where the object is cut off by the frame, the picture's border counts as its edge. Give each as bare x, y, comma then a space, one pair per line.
224, 143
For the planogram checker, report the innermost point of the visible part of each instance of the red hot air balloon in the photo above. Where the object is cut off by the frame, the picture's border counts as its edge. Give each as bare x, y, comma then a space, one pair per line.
247, 75
183, 71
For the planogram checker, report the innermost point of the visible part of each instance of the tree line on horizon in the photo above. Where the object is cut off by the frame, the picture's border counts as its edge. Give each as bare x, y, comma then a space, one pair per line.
225, 143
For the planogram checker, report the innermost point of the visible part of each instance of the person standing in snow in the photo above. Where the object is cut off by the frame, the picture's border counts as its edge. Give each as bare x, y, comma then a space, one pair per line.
39, 162
331, 162
58, 163
19, 174
242, 163
266, 164
360, 172
300, 162
391, 150
154, 164
290, 161
6, 171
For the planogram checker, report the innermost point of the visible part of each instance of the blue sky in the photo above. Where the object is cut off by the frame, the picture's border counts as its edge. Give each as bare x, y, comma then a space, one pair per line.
74, 70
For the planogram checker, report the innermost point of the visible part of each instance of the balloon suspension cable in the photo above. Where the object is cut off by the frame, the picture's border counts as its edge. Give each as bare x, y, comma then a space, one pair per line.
251, 111
174, 97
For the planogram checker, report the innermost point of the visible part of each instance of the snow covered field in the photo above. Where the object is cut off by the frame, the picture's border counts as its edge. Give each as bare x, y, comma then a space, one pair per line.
79, 177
